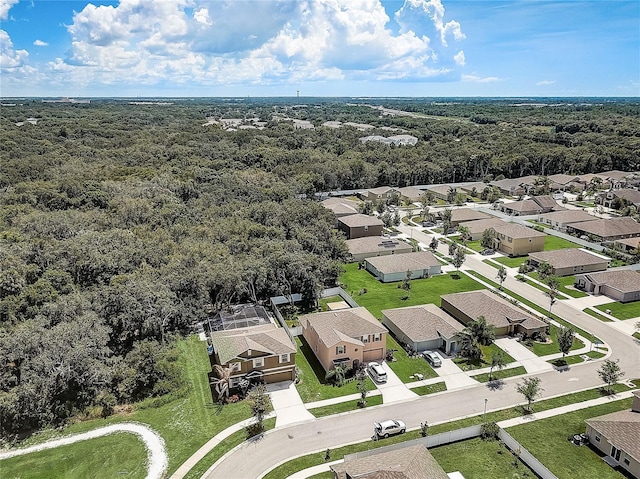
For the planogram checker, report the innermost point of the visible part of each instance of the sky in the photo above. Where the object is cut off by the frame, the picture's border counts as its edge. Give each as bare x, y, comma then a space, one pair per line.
410, 48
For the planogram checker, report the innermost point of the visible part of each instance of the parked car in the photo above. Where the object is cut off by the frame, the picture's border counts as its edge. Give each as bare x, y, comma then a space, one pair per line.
377, 372
432, 358
388, 428
487, 252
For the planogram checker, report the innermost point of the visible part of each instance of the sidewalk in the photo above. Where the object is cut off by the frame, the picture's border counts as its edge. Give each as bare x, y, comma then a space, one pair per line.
531, 362
394, 389
287, 404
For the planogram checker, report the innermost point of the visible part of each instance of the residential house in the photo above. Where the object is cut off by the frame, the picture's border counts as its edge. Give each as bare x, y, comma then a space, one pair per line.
341, 206
515, 186
460, 215
627, 245
568, 261
262, 353
609, 179
410, 194
620, 285
369, 246
422, 264
441, 192
471, 188
616, 198
424, 327
413, 462
506, 318
562, 182
617, 436
604, 230
560, 219
359, 225
532, 206
478, 227
347, 336
382, 193
517, 240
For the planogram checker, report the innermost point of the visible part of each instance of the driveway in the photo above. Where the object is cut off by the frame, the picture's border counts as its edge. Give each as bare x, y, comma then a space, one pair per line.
287, 404
531, 362
453, 376
394, 389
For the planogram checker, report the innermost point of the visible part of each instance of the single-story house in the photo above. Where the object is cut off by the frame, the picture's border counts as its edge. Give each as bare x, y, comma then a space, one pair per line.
505, 317
478, 227
533, 206
560, 219
424, 327
347, 336
562, 182
617, 436
410, 194
628, 245
439, 191
514, 186
341, 206
608, 198
422, 264
620, 285
264, 353
610, 179
568, 261
470, 188
382, 193
610, 229
368, 246
359, 225
517, 240
460, 215
413, 462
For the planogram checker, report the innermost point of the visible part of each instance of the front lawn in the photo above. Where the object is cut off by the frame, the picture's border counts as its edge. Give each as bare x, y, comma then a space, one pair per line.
502, 374
312, 385
575, 359
379, 296
622, 310
565, 285
405, 366
547, 440
602, 318
468, 364
344, 406
430, 389
507, 261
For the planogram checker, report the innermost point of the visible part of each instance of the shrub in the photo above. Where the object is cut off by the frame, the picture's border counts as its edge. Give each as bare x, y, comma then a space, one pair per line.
489, 431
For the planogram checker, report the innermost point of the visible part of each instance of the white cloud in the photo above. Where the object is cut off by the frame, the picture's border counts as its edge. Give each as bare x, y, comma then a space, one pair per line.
5, 6
545, 82
478, 79
202, 16
459, 58
40, 43
10, 58
409, 16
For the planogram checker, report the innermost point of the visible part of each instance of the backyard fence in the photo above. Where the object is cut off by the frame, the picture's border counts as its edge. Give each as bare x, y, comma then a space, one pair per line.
526, 457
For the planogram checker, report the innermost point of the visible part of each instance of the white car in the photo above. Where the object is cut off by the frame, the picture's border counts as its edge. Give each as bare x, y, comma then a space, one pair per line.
388, 428
432, 358
377, 372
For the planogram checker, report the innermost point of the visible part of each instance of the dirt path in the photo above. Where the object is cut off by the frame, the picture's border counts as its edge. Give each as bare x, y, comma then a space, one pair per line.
156, 453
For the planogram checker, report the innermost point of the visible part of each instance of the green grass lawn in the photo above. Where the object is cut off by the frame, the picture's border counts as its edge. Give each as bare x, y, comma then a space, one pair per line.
126, 457
467, 364
622, 310
503, 374
565, 285
547, 440
405, 366
636, 335
507, 261
185, 422
596, 315
472, 245
552, 243
344, 406
330, 299
430, 389
313, 386
381, 296
575, 359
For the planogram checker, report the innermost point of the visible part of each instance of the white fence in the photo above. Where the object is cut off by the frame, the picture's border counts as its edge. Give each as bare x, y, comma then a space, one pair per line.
526, 457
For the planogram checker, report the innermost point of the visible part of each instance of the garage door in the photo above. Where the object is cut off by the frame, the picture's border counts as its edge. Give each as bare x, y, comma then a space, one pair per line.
373, 355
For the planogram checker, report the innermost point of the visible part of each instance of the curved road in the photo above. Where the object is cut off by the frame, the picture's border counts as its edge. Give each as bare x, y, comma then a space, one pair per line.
254, 459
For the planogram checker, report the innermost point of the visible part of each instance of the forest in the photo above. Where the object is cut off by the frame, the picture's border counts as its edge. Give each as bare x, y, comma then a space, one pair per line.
122, 224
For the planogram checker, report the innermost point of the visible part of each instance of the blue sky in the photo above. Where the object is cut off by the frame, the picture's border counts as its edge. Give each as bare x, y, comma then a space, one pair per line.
319, 47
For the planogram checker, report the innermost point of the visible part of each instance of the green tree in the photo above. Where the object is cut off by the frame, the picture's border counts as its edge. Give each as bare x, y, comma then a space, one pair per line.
469, 346
465, 235
221, 381
361, 387
260, 406
530, 388
488, 237
406, 282
498, 362
433, 245
553, 284
502, 275
610, 372
483, 332
337, 374
565, 340
458, 258
445, 216
544, 270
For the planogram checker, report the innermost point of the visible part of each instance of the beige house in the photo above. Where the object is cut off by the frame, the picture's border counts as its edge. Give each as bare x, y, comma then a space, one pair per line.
533, 206
341, 206
439, 191
410, 194
565, 262
560, 219
608, 198
516, 240
371, 246
617, 436
607, 229
348, 336
460, 215
424, 327
478, 227
628, 245
382, 193
506, 318
620, 285
422, 264
359, 225
413, 462
264, 353
514, 186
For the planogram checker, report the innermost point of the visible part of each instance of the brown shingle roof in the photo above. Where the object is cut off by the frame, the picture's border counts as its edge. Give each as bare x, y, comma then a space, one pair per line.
569, 216
631, 242
545, 201
341, 206
459, 215
267, 338
479, 226
562, 179
343, 325
524, 205
568, 258
513, 230
628, 194
622, 430
399, 263
373, 244
413, 462
411, 192
623, 280
357, 220
423, 323
611, 227
496, 311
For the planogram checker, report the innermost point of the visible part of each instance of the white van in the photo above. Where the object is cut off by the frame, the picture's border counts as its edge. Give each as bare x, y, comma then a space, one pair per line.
377, 373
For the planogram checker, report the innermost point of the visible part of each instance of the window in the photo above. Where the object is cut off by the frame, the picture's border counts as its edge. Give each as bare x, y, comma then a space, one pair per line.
377, 337
365, 338
626, 460
340, 349
258, 362
597, 437
284, 358
235, 367
233, 382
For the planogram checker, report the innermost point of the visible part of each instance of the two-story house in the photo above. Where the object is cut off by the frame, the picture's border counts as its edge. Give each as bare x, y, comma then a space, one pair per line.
516, 240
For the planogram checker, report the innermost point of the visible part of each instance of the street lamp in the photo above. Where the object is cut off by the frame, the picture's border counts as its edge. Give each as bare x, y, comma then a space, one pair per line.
485, 409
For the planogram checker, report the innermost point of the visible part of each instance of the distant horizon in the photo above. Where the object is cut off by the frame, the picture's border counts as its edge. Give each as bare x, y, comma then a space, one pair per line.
381, 97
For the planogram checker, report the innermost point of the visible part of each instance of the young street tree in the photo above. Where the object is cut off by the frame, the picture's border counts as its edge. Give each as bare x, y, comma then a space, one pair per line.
361, 387
530, 389
502, 275
406, 282
610, 373
465, 235
565, 340
446, 220
260, 406
498, 362
553, 285
458, 258
434, 244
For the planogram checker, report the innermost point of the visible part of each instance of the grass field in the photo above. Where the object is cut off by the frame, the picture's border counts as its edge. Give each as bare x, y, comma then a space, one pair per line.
622, 310
381, 296
405, 366
547, 440
506, 261
565, 285
596, 315
503, 374
552, 243
467, 364
430, 389
344, 407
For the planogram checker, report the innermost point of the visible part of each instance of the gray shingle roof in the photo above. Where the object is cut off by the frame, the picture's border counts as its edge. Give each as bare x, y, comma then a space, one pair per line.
354, 221
623, 280
611, 227
513, 230
399, 263
267, 338
334, 327
467, 214
628, 194
622, 430
569, 216
568, 258
479, 226
423, 323
373, 244
545, 201
341, 205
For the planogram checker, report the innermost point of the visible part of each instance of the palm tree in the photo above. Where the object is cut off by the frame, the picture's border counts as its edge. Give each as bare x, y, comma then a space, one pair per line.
338, 374
469, 346
497, 361
483, 333
465, 234
221, 382
544, 270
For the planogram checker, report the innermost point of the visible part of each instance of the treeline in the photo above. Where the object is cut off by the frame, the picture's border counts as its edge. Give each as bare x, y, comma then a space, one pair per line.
120, 224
